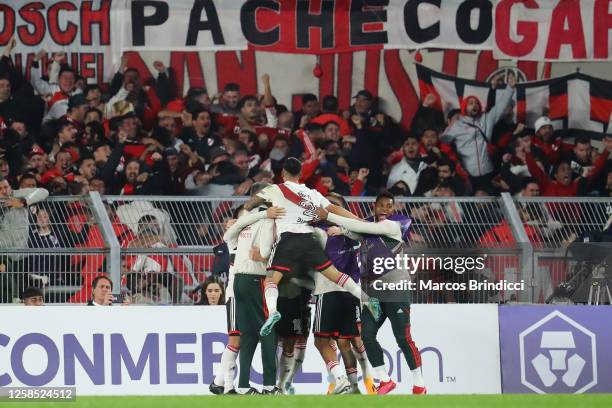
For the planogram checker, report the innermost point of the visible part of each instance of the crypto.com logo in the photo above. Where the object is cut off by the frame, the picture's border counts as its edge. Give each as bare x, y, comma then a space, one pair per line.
558, 355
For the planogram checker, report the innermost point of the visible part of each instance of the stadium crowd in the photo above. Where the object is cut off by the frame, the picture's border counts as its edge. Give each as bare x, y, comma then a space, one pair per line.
134, 138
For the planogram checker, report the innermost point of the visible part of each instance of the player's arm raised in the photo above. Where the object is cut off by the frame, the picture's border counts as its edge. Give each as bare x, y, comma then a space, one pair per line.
336, 209
390, 229
232, 233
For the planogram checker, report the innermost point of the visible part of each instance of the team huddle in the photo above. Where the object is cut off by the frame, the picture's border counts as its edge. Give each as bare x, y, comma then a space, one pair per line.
289, 242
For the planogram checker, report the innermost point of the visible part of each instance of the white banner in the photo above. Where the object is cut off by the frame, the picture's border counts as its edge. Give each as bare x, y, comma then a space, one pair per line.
537, 30
553, 30
176, 350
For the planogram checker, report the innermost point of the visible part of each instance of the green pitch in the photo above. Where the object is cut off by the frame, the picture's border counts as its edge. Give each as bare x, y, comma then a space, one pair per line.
352, 401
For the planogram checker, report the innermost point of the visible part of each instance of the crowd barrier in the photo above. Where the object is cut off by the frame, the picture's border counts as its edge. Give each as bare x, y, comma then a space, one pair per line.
175, 350
148, 243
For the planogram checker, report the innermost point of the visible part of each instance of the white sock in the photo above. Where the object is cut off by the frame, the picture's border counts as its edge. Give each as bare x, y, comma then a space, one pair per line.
345, 281
417, 377
228, 366
364, 363
285, 366
380, 372
219, 376
271, 295
351, 373
268, 387
336, 371
300, 351
330, 376
225, 358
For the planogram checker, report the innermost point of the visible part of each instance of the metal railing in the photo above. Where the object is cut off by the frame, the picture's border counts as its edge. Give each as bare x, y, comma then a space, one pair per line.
552, 224
159, 250
57, 245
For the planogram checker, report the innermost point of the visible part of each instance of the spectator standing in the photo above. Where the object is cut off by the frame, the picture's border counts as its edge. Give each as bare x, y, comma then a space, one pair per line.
228, 100
471, 132
409, 168
14, 230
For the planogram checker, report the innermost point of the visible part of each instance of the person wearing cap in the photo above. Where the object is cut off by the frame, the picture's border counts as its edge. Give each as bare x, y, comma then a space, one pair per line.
37, 160
177, 172
32, 296
543, 138
473, 130
108, 159
77, 108
14, 229
364, 101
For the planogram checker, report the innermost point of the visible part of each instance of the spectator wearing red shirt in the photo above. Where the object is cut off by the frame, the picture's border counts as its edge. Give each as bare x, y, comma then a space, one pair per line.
544, 138
330, 114
562, 184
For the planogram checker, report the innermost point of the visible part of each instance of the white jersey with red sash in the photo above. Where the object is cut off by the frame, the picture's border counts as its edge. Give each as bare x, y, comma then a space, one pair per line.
300, 204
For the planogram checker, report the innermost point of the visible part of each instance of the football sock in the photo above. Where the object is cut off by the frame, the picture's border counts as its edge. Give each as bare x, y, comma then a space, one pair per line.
300, 351
271, 295
285, 367
335, 369
364, 363
228, 365
417, 377
380, 372
351, 373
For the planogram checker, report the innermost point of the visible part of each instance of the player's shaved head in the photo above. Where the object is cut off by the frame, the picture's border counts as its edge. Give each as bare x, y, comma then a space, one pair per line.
293, 167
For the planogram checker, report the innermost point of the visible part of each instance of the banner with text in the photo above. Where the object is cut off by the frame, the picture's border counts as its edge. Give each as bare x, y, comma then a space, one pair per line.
140, 350
530, 30
566, 30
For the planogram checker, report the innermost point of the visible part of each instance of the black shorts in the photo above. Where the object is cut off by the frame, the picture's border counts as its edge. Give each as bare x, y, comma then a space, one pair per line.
295, 315
336, 315
230, 310
298, 253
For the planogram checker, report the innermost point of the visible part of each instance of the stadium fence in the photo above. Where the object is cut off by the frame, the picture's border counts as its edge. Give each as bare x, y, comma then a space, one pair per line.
158, 250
